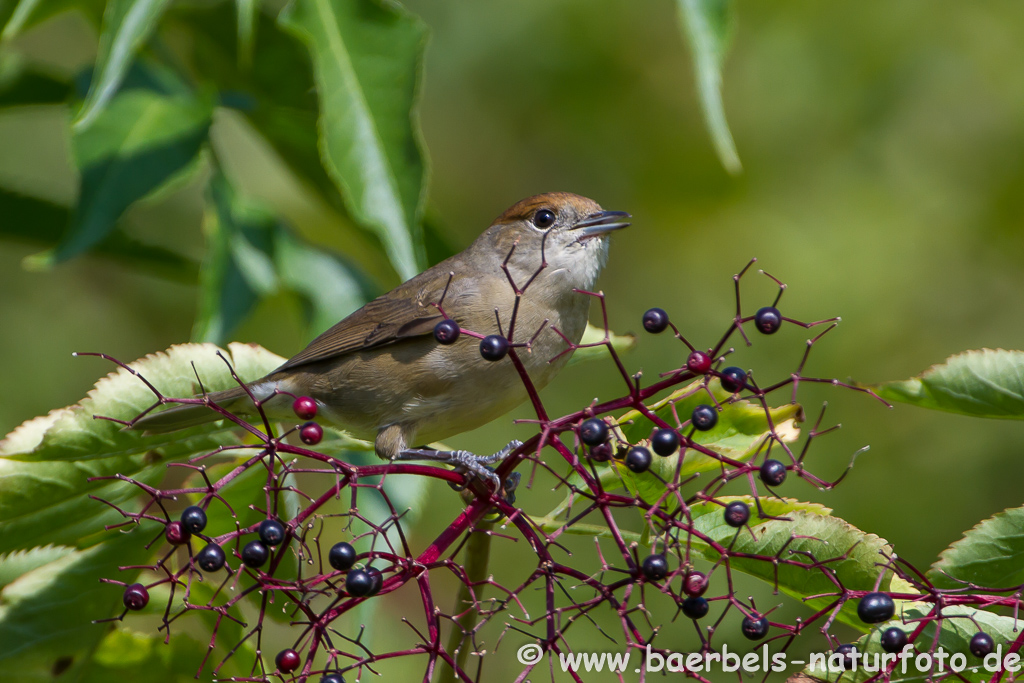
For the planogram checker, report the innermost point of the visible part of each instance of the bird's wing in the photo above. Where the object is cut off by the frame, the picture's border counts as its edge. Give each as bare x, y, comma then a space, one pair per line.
401, 313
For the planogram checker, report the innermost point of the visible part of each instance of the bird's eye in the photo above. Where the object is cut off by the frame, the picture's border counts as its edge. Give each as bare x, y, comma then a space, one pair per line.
544, 219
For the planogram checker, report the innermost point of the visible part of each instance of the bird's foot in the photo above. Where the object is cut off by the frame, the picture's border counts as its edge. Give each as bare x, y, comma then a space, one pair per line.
470, 464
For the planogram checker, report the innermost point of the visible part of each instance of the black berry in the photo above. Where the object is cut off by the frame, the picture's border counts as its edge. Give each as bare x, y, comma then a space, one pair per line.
638, 459
254, 554
359, 583
893, 639
136, 597
982, 644
493, 347
704, 417
698, 362
654, 567
875, 608
696, 608
733, 379
768, 320
311, 433
447, 332
342, 556
665, 442
271, 532
193, 518
210, 558
737, 513
602, 452
695, 584
304, 407
332, 678
655, 320
773, 472
593, 432
754, 628
287, 661
847, 651
377, 579
177, 534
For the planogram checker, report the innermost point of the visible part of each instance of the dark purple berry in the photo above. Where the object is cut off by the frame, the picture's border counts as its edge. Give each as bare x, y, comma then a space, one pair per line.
893, 639
210, 558
136, 597
638, 459
704, 417
333, 678
654, 567
696, 608
377, 577
768, 320
254, 554
311, 433
193, 518
754, 628
602, 452
593, 432
493, 347
875, 608
341, 556
848, 654
698, 362
177, 534
304, 407
271, 532
359, 583
655, 320
737, 513
447, 332
733, 379
982, 644
773, 472
665, 442
695, 584
287, 661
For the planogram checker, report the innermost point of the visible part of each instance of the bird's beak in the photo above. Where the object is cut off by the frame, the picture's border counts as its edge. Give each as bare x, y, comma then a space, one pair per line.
601, 222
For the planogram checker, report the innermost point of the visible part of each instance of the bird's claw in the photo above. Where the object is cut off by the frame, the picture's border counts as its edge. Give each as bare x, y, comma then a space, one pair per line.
471, 465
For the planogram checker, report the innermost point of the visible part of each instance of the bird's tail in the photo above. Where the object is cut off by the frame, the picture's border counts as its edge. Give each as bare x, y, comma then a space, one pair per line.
189, 415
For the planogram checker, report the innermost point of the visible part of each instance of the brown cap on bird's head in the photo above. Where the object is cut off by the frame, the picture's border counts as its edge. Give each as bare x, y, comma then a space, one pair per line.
525, 209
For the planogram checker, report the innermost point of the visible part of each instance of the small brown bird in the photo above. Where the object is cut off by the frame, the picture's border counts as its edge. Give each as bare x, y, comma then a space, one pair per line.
381, 374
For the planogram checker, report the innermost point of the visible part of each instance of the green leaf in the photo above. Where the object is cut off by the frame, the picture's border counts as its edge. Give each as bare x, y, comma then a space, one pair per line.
985, 383
823, 536
46, 614
22, 83
990, 555
15, 564
40, 223
248, 20
127, 25
954, 637
708, 27
367, 59
45, 463
592, 335
142, 140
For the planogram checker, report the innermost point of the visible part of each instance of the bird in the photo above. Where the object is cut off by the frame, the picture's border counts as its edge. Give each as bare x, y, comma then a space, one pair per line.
382, 374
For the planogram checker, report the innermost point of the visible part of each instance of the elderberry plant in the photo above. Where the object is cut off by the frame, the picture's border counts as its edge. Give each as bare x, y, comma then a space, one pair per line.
277, 541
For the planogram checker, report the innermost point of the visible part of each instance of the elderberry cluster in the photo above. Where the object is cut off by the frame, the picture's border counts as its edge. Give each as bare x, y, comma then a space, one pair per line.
620, 464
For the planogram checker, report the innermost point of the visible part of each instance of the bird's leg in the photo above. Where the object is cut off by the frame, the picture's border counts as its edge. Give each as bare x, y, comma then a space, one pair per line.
469, 463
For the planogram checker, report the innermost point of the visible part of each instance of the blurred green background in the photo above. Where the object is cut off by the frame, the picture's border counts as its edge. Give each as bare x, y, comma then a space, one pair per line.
883, 153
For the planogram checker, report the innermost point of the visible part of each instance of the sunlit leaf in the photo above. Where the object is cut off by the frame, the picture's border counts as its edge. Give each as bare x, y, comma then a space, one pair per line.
985, 383
990, 555
592, 335
708, 27
127, 25
367, 58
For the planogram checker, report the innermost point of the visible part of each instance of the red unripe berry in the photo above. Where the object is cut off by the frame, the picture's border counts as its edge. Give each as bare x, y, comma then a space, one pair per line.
287, 661
177, 534
304, 407
698, 362
695, 584
311, 433
136, 597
